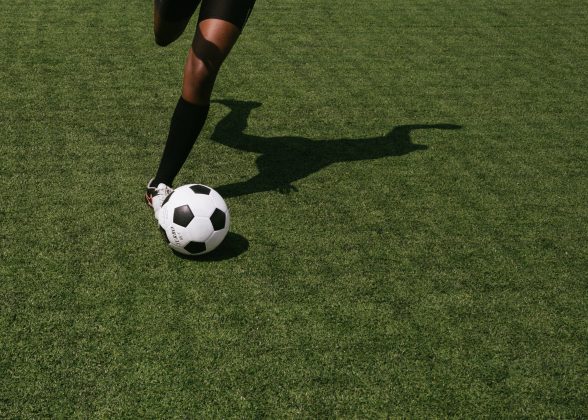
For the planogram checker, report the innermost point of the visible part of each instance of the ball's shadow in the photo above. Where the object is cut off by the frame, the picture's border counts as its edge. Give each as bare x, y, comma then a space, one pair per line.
232, 246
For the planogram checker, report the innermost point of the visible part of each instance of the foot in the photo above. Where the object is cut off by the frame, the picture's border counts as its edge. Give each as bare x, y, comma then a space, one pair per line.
155, 196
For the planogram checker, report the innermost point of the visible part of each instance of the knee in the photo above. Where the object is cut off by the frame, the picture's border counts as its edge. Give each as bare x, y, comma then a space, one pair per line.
200, 71
199, 77
162, 41
164, 38
165, 32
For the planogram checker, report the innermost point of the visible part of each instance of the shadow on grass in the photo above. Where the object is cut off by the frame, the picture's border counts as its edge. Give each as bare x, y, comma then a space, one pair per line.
284, 160
232, 246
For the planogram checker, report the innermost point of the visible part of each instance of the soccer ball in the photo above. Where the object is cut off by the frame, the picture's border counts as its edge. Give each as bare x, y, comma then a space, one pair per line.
194, 219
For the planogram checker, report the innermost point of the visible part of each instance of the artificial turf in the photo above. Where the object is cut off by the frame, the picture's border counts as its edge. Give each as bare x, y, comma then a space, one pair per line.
407, 182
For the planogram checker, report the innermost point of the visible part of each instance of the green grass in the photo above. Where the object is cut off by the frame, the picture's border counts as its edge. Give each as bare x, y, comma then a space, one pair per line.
392, 280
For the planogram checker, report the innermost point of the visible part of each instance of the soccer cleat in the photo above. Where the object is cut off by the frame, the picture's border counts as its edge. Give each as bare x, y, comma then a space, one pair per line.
155, 196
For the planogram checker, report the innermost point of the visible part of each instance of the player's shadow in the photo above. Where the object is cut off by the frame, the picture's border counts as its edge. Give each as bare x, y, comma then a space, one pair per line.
284, 160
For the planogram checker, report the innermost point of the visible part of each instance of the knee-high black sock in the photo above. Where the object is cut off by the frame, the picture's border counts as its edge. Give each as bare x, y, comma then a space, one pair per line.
186, 123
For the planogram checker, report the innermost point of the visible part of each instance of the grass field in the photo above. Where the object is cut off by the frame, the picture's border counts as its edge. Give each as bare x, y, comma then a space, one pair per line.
408, 187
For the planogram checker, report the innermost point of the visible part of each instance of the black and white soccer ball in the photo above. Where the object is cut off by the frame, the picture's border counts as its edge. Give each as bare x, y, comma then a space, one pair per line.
194, 219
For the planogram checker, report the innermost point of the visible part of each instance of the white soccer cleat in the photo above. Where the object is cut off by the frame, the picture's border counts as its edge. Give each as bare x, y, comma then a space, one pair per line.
155, 196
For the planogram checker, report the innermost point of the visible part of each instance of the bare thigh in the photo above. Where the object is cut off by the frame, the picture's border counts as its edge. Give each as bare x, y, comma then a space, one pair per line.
212, 43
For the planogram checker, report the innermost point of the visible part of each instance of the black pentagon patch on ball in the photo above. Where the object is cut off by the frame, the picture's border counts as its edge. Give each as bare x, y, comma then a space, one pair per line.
195, 247
166, 199
200, 189
163, 234
218, 219
183, 215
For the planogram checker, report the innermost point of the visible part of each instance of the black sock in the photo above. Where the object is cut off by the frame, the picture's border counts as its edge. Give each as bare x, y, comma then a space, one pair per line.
186, 123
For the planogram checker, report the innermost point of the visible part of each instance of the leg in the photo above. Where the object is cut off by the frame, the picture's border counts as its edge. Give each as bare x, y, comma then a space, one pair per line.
219, 27
170, 19
211, 45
